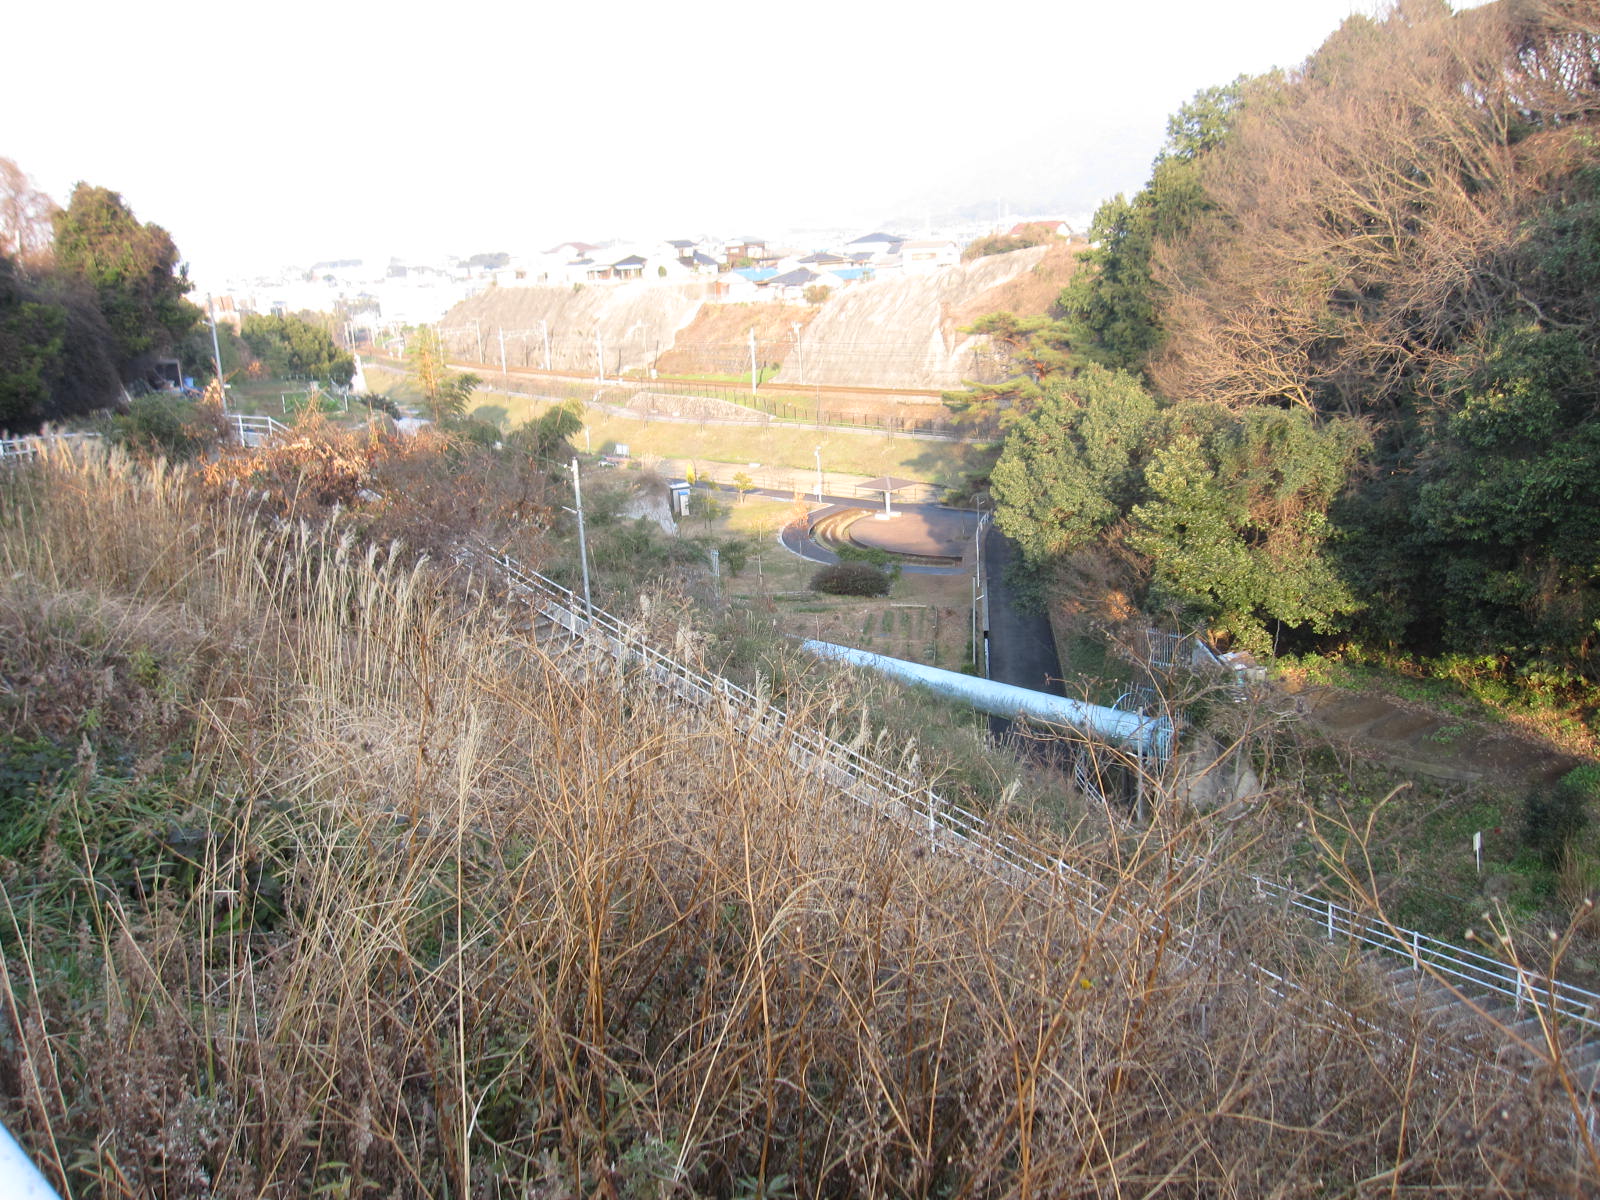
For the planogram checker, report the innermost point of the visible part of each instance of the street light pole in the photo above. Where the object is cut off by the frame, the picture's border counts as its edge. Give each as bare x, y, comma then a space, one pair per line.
818, 452
583, 544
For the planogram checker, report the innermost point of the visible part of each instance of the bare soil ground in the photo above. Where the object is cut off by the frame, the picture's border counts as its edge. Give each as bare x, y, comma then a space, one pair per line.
718, 338
1030, 294
1435, 744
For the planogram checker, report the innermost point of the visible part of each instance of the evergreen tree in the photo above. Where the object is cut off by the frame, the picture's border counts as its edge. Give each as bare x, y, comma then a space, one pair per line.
133, 271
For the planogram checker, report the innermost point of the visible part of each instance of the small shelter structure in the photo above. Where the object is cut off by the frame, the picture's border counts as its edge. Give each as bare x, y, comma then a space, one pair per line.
888, 485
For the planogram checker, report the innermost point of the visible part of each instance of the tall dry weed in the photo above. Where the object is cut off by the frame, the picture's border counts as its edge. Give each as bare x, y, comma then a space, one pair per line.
448, 915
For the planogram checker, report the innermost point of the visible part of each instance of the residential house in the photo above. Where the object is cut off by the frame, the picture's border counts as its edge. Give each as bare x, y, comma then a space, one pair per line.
877, 246
791, 285
928, 255
631, 267
740, 285
746, 247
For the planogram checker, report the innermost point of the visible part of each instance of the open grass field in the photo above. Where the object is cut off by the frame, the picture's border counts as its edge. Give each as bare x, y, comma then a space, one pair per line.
775, 446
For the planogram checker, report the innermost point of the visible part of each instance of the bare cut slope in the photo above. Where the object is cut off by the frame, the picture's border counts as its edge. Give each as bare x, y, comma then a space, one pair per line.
717, 340
1029, 293
629, 324
904, 332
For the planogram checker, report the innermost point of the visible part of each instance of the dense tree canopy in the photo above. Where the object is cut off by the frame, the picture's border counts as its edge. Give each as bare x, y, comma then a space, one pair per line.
1074, 466
1365, 297
55, 349
295, 348
1235, 519
133, 270
1229, 511
32, 338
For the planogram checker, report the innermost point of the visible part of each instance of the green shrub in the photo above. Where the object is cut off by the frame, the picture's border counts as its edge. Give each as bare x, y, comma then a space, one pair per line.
378, 402
1553, 817
851, 579
162, 424
736, 554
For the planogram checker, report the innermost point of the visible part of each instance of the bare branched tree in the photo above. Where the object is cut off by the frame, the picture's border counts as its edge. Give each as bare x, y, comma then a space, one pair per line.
25, 214
1369, 212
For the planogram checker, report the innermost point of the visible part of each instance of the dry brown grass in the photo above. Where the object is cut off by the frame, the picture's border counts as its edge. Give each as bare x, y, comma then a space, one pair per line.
459, 918
1033, 292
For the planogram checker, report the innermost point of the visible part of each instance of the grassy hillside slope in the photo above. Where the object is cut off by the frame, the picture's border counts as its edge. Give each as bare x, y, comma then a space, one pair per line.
320, 874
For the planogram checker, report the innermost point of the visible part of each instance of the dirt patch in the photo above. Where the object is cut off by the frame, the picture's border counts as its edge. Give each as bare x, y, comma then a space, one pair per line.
1434, 744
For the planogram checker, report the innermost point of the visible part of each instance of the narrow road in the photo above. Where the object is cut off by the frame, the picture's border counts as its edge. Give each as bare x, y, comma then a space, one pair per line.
1022, 649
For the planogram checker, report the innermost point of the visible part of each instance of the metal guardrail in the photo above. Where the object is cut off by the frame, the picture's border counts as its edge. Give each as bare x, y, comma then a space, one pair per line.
887, 792
1518, 984
249, 430
24, 449
950, 825
255, 430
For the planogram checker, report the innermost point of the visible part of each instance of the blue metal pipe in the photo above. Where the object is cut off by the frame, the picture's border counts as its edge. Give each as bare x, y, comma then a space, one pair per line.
1150, 737
19, 1178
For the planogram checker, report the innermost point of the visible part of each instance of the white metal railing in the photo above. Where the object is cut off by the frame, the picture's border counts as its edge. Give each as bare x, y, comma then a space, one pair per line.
254, 430
248, 430
1485, 972
23, 449
947, 824
953, 826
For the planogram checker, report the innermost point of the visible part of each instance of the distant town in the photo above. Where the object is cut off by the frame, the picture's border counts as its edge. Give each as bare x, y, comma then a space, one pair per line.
380, 297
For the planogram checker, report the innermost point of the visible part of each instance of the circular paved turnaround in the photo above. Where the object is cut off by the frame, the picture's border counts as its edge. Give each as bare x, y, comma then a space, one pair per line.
925, 532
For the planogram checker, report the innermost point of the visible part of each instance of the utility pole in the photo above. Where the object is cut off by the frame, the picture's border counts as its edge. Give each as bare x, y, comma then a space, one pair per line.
599, 356
818, 452
544, 328
216, 354
583, 544
752, 360
506, 375
799, 349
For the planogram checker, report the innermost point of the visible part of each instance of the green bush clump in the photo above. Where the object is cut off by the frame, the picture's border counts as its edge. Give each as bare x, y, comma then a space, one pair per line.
170, 426
1553, 817
851, 579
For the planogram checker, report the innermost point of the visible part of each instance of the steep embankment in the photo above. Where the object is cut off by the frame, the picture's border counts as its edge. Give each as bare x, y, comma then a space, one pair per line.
899, 332
717, 340
633, 322
905, 332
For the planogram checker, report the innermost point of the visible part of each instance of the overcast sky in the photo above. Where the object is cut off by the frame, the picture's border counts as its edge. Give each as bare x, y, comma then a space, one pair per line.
288, 132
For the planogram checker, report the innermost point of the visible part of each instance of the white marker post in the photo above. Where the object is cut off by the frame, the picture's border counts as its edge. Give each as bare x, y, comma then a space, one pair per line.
1477, 849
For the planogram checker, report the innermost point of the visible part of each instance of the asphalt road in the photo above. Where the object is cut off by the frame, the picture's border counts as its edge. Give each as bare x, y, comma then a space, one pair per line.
1021, 648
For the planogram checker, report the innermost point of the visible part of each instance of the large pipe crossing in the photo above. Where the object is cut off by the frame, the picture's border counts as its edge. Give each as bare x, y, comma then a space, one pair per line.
1149, 737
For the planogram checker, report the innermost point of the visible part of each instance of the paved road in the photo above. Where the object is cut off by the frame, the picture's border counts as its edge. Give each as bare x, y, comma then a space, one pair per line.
798, 542
1021, 648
